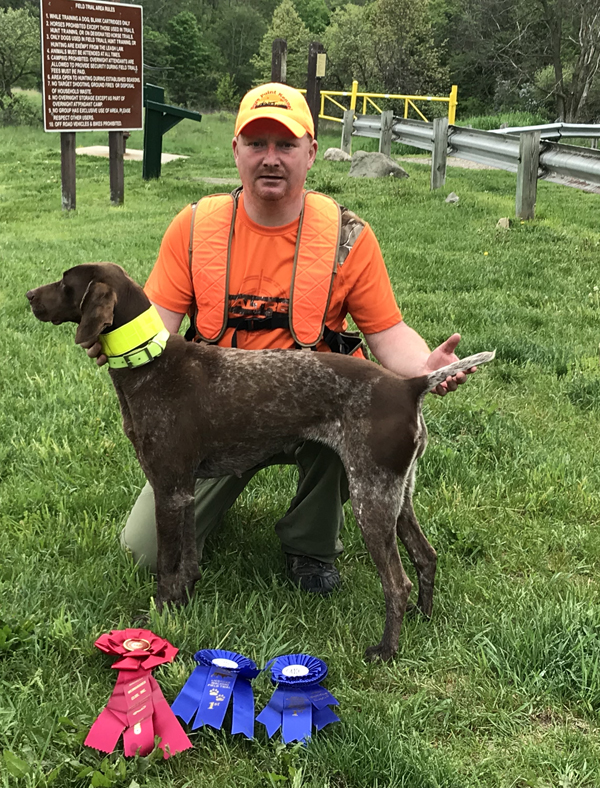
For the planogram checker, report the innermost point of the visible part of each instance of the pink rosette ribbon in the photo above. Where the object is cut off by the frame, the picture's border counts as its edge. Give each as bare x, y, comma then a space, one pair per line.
137, 708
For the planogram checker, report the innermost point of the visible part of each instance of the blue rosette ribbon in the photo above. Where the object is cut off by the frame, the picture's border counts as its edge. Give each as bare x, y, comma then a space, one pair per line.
220, 676
299, 701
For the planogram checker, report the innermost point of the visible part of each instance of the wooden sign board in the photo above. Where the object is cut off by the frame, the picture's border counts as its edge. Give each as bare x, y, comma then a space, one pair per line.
92, 65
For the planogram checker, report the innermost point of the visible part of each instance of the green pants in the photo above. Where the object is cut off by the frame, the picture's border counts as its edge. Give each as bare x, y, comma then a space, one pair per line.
310, 527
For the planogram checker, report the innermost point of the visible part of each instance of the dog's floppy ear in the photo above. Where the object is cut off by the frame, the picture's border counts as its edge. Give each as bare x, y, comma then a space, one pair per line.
97, 309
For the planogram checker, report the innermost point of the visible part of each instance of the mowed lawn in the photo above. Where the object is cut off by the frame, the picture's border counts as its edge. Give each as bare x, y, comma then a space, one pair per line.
502, 686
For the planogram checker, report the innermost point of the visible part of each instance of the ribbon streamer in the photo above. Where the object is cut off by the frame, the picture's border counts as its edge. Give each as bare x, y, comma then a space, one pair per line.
299, 701
220, 675
137, 708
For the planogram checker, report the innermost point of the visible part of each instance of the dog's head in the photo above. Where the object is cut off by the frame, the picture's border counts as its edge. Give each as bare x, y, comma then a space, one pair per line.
87, 294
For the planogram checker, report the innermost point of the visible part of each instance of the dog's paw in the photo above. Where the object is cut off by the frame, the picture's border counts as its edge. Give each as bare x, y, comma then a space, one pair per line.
379, 652
175, 593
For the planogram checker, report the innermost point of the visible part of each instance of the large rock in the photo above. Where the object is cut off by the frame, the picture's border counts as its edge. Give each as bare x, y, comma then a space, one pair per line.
336, 154
375, 165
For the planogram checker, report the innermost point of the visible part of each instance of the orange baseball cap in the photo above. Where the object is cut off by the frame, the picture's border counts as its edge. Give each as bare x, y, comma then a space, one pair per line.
278, 102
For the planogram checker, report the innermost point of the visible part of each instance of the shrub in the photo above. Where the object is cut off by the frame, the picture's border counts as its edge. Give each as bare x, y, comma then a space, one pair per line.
21, 110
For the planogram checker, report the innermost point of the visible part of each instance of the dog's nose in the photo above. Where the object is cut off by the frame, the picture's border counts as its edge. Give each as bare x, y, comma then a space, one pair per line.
29, 295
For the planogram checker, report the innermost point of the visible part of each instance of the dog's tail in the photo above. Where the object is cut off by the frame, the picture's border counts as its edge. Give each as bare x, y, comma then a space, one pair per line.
440, 375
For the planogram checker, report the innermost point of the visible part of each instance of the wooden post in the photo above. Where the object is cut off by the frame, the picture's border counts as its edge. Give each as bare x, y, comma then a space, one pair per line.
385, 135
439, 153
347, 128
67, 169
116, 148
279, 60
527, 174
313, 82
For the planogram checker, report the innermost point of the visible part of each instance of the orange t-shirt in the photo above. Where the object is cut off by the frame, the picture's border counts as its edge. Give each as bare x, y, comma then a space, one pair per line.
262, 260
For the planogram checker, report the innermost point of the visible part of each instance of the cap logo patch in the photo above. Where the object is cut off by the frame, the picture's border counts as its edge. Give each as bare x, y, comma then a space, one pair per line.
271, 99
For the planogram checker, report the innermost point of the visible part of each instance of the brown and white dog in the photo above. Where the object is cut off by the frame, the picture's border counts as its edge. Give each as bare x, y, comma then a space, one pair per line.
204, 411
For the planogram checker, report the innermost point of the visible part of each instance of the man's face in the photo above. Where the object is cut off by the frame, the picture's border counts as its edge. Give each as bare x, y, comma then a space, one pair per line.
272, 162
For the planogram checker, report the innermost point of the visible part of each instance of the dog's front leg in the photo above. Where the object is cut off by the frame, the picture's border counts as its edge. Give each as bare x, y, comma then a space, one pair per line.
177, 560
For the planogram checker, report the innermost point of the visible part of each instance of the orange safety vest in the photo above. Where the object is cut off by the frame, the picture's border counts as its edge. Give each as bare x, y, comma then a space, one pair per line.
315, 265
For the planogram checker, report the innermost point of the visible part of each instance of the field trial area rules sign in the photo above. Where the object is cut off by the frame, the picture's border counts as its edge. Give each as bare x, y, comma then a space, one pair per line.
92, 65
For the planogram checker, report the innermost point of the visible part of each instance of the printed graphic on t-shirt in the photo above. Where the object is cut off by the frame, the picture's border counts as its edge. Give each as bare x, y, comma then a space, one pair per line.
244, 305
248, 304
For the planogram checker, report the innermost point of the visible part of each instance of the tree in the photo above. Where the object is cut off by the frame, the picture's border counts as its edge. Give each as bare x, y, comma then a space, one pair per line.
511, 53
193, 62
286, 23
227, 94
349, 43
314, 14
387, 46
19, 49
237, 31
574, 31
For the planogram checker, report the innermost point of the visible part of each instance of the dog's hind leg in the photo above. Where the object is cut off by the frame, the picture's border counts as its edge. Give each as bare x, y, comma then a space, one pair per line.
177, 569
376, 512
420, 552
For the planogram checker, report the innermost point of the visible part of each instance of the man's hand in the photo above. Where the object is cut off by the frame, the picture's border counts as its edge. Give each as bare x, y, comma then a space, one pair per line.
94, 350
401, 350
440, 357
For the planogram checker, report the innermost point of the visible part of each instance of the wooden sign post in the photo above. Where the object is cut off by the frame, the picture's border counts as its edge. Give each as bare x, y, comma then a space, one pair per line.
279, 60
316, 71
92, 79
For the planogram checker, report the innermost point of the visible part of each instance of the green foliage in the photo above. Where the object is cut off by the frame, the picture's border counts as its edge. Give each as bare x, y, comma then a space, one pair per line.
12, 635
237, 31
314, 14
192, 60
227, 94
286, 23
14, 765
503, 119
156, 47
22, 109
19, 50
348, 41
387, 46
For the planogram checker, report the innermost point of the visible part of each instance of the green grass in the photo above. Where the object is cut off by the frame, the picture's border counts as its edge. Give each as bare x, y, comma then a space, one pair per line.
502, 687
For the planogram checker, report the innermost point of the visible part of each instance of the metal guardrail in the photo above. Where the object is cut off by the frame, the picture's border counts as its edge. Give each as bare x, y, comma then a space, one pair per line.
556, 131
558, 162
498, 149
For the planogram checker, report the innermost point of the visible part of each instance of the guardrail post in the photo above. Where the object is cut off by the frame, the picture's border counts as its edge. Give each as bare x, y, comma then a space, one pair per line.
439, 153
527, 174
279, 60
385, 135
347, 129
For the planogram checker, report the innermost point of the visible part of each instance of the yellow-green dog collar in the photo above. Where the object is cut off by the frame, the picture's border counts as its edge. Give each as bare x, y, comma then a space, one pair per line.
140, 356
132, 334
137, 342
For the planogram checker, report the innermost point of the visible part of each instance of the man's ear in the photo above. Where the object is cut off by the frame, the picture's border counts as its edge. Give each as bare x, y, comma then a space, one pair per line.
97, 310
